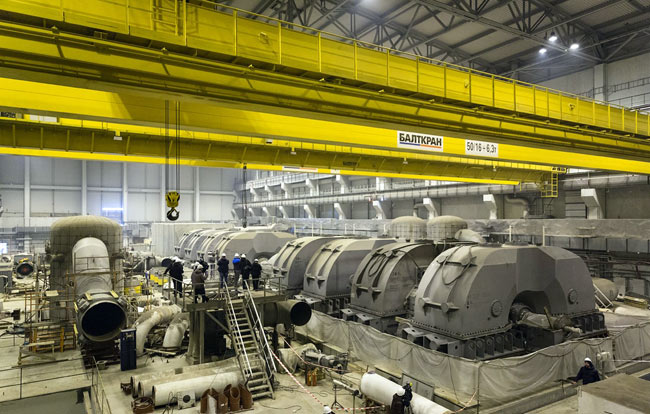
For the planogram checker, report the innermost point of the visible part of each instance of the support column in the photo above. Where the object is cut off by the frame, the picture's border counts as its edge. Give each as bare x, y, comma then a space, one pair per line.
590, 198
27, 189
431, 207
84, 188
310, 211
197, 193
376, 204
283, 211
255, 193
344, 182
251, 212
163, 184
266, 212
382, 184
339, 210
287, 189
313, 187
267, 188
125, 192
600, 82
491, 203
234, 214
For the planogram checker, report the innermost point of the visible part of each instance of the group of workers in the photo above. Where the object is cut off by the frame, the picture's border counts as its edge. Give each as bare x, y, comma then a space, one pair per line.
241, 265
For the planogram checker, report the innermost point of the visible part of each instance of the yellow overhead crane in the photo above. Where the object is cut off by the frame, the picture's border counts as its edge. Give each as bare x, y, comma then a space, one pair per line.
275, 80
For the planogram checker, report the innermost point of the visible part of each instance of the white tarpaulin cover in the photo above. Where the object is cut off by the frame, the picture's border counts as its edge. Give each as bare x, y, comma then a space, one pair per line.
488, 382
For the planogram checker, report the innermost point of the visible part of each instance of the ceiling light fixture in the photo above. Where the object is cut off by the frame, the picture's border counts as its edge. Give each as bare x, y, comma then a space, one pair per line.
553, 37
574, 46
542, 51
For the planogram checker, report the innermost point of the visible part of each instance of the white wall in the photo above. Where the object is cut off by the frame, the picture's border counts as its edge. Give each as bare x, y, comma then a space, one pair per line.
55, 190
616, 75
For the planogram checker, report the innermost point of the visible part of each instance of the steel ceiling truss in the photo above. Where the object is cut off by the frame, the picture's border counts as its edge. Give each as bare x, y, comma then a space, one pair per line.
531, 20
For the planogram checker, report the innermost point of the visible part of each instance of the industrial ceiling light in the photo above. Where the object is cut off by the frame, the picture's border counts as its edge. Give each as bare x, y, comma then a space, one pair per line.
542, 51
553, 37
405, 162
293, 151
574, 46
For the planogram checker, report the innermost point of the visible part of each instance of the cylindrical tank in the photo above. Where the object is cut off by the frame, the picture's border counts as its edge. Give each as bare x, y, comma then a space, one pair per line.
408, 228
444, 227
86, 250
291, 261
286, 312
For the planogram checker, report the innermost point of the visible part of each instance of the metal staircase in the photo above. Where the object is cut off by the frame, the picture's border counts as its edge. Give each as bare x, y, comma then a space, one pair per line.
251, 347
601, 300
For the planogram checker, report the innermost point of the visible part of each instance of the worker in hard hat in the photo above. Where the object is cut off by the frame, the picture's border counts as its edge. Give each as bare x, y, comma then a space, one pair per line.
236, 266
327, 410
588, 373
222, 267
198, 283
175, 270
246, 267
256, 272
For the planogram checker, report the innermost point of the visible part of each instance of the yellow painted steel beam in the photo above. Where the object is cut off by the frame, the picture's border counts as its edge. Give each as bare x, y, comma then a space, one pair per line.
73, 59
200, 116
97, 141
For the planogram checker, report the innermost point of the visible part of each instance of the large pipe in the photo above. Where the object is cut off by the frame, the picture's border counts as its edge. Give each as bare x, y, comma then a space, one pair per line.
288, 312
100, 315
148, 320
379, 389
162, 393
145, 386
176, 331
136, 379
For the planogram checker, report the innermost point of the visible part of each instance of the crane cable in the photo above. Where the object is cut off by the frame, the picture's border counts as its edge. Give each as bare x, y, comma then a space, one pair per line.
172, 197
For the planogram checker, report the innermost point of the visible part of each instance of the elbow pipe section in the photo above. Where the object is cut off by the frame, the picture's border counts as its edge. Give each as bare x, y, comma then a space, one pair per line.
176, 331
148, 320
288, 312
100, 312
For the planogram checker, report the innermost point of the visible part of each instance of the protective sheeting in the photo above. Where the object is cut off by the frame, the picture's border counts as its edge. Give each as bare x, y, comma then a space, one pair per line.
488, 382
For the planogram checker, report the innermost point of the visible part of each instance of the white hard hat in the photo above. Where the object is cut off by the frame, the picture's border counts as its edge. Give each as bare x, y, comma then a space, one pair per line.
256, 260
243, 256
400, 392
236, 254
223, 255
327, 410
587, 359
197, 264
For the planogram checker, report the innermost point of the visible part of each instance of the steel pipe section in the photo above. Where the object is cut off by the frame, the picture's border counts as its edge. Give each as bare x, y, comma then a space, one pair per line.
381, 390
176, 331
100, 315
288, 312
162, 393
24, 269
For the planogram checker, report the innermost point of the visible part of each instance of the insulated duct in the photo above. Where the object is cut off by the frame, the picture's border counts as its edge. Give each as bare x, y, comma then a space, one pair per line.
148, 320
100, 315
286, 312
176, 331
381, 390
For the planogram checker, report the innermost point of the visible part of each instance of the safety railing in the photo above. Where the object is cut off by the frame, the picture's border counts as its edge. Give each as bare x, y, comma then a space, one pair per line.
244, 361
98, 392
258, 328
231, 31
